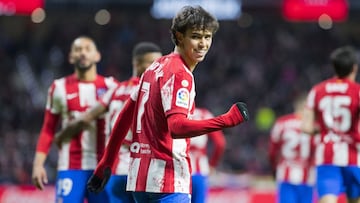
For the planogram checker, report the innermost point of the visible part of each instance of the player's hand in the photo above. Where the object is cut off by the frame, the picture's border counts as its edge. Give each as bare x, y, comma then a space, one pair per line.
39, 177
243, 110
237, 114
96, 183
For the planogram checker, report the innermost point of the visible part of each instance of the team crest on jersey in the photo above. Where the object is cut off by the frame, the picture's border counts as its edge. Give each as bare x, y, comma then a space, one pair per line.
184, 83
100, 92
182, 98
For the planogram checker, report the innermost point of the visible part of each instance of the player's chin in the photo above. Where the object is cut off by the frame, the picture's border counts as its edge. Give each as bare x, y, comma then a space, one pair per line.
200, 58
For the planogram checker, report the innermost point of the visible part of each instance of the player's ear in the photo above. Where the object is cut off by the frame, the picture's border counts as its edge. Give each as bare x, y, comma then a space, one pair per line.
135, 62
71, 59
97, 56
180, 37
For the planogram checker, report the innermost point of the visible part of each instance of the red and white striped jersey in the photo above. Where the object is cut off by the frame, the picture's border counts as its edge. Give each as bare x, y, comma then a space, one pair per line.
67, 99
335, 103
114, 101
160, 163
291, 151
200, 162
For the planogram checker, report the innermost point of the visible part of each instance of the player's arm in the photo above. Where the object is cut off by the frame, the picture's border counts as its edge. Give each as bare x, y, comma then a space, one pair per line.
39, 176
78, 124
219, 142
121, 127
275, 145
182, 127
273, 155
308, 122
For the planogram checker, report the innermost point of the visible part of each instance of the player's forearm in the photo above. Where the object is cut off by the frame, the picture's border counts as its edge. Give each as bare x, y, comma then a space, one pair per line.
118, 134
39, 159
68, 132
219, 143
76, 126
182, 127
94, 113
47, 132
308, 128
308, 122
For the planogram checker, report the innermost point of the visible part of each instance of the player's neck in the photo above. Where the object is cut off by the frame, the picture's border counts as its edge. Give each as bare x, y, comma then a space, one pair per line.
189, 63
86, 75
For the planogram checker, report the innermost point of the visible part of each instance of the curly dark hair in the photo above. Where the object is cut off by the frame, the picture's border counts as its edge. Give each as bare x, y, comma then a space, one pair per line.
193, 18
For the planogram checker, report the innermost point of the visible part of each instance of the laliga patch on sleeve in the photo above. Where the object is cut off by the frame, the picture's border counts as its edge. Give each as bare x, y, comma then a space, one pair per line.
182, 98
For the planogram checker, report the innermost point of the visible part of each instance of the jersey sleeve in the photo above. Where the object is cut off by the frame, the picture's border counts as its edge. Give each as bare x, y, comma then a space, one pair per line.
51, 118
177, 94
219, 142
135, 92
106, 99
111, 82
310, 100
274, 144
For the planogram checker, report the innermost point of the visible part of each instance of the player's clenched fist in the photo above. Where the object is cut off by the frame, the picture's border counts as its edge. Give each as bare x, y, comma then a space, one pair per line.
243, 110
237, 114
96, 183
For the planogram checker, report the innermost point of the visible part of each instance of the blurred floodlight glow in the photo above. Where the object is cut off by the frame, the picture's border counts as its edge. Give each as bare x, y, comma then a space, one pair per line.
223, 10
325, 22
38, 15
102, 17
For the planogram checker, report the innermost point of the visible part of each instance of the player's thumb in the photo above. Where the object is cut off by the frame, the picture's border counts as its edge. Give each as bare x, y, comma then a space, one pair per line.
45, 179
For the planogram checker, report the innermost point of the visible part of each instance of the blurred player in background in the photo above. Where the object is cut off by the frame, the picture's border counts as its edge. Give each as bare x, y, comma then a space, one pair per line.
203, 165
158, 114
68, 97
334, 105
291, 158
144, 53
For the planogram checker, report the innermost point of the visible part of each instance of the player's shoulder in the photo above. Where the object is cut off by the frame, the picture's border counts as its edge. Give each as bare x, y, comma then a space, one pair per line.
62, 80
110, 78
286, 117
108, 81
174, 63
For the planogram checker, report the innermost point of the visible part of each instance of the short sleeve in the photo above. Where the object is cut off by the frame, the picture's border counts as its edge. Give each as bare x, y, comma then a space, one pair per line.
56, 97
177, 93
276, 132
310, 101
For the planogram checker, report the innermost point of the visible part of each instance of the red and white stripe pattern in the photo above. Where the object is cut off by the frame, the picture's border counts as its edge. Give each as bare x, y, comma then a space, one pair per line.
336, 104
290, 151
200, 162
114, 101
160, 163
68, 98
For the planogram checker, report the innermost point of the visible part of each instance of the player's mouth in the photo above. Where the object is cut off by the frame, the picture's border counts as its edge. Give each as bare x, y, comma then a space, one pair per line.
201, 53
